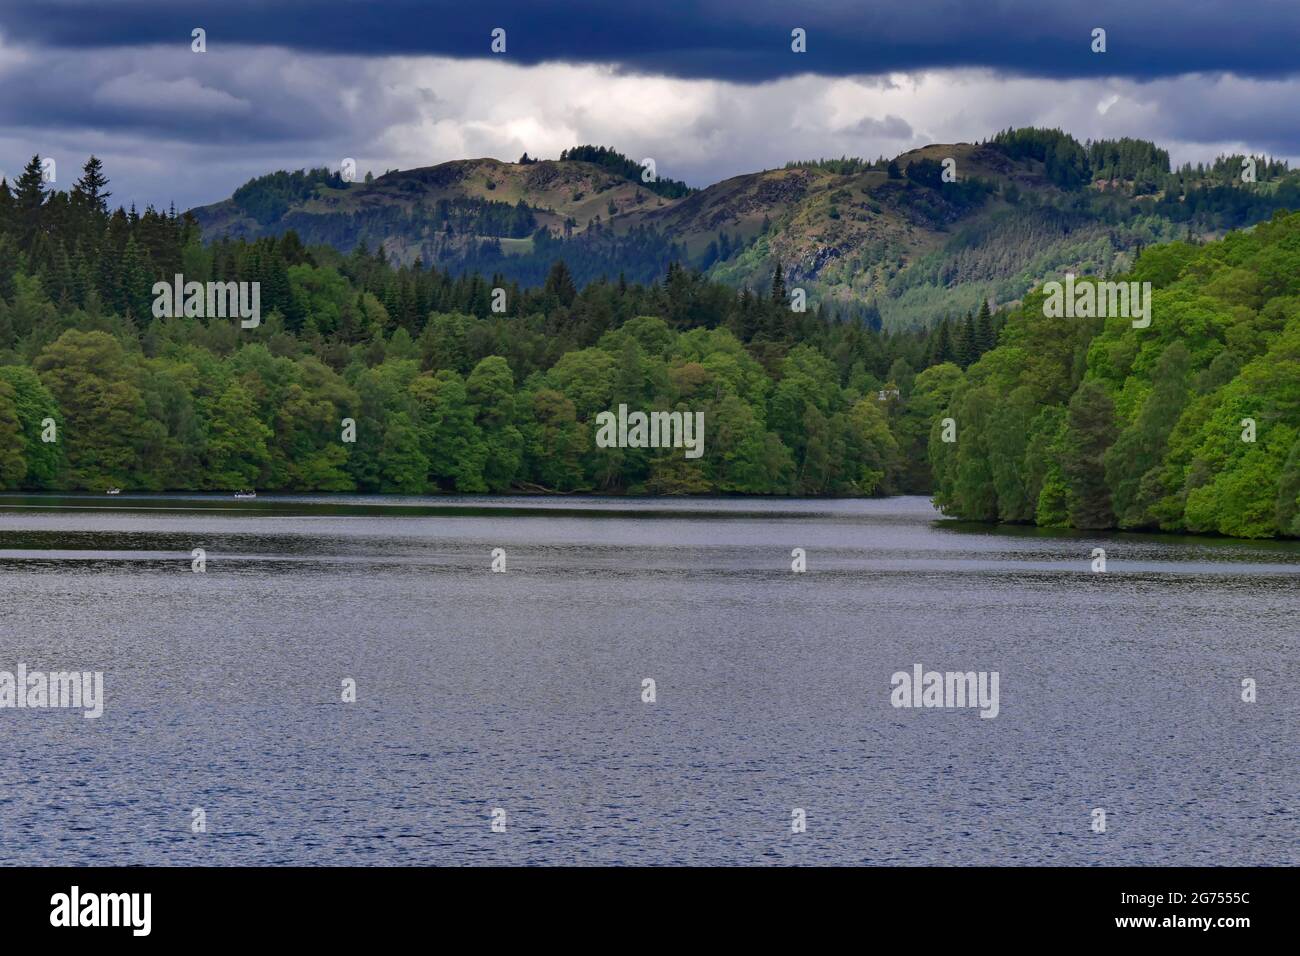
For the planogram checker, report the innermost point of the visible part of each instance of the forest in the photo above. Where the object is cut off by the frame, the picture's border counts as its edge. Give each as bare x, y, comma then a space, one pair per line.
1191, 424
1074, 423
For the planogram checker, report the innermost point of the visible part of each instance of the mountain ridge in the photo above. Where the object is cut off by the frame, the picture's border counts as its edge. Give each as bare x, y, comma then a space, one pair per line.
899, 235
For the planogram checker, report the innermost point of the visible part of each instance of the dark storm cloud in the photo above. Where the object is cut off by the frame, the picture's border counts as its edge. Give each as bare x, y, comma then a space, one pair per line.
253, 95
394, 83
735, 40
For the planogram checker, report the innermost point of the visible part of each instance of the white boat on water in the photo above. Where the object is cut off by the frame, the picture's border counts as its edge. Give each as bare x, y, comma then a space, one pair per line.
245, 494
113, 491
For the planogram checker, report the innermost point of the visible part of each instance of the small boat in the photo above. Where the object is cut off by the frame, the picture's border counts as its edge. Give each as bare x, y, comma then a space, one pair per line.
245, 494
113, 491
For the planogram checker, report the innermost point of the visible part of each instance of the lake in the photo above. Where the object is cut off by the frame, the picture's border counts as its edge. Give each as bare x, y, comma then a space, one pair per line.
479, 692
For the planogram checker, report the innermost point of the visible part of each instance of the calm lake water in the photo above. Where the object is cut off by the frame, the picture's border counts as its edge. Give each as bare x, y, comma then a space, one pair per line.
523, 690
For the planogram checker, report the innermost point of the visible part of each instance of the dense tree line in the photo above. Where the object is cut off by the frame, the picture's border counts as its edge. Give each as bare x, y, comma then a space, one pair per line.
1064, 158
844, 166
641, 254
621, 165
1220, 206
1138, 160
1001, 256
964, 193
1214, 196
1060, 422
1191, 424
267, 198
445, 392
1136, 199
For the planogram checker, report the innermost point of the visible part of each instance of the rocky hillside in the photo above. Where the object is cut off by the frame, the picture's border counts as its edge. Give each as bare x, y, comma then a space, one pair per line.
900, 237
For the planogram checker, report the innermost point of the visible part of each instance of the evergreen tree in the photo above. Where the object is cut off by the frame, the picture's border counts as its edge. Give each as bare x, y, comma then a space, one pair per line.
560, 287
6, 207
137, 298
985, 337
778, 287
940, 348
29, 197
90, 188
966, 349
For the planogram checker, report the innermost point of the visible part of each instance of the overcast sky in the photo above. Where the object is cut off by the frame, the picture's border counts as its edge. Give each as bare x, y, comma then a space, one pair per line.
708, 89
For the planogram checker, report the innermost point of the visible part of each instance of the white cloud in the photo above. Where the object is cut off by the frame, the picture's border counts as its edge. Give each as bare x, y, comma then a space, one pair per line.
171, 125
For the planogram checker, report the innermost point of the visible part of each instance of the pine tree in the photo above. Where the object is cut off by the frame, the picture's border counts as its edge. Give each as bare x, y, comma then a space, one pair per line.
136, 283
6, 206
560, 285
778, 286
89, 189
940, 349
966, 351
82, 276
108, 278
29, 197
58, 277
985, 338
29, 191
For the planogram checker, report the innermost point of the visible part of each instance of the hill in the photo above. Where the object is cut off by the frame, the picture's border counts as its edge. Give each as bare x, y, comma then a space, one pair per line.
894, 236
365, 375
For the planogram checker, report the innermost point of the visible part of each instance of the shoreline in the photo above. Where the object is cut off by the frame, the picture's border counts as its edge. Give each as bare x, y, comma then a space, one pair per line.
572, 504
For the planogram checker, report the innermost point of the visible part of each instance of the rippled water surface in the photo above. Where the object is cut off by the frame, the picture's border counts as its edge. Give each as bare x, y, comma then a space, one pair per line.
523, 690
